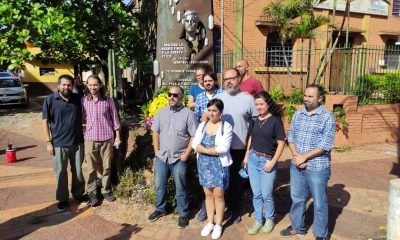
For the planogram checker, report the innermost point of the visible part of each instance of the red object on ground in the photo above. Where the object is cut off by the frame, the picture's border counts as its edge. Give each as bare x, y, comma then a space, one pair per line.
11, 155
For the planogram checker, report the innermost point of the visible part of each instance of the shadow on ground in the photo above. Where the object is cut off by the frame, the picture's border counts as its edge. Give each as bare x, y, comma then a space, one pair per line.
23, 225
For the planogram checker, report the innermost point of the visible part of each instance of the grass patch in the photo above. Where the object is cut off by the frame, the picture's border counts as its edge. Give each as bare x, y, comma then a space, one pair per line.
342, 149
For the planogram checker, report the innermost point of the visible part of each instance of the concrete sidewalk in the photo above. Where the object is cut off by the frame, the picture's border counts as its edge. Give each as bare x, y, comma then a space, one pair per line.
358, 198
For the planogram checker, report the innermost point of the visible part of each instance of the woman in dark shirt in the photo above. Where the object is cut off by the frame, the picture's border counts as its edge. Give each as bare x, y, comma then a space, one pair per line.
265, 146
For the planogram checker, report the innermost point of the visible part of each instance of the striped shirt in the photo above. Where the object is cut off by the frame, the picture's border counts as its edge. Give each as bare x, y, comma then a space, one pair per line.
101, 118
309, 132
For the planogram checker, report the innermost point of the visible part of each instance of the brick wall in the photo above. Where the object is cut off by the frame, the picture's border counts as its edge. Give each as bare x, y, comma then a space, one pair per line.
367, 123
254, 37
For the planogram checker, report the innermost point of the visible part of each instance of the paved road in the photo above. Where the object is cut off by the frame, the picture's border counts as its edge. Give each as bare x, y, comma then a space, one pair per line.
358, 193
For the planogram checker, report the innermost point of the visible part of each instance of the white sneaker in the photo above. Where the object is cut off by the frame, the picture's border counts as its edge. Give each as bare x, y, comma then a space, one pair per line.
217, 232
208, 228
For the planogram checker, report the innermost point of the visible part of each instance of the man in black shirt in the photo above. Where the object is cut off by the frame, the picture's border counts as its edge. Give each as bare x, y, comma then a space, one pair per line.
62, 125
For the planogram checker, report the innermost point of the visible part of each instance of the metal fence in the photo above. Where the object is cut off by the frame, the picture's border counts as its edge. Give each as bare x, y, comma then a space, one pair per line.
372, 73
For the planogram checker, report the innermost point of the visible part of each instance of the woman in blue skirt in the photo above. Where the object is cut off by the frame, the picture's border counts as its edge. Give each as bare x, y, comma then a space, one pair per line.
212, 143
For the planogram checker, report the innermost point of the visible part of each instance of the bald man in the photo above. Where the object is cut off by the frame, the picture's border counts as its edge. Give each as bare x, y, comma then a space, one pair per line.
249, 83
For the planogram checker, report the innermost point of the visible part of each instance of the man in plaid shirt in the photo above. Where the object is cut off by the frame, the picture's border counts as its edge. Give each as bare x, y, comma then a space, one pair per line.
101, 118
310, 138
211, 87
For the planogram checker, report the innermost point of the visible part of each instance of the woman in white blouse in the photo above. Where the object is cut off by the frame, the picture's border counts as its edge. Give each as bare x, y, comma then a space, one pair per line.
212, 143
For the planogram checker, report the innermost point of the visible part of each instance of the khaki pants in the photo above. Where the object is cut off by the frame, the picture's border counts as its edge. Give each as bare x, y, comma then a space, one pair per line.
98, 157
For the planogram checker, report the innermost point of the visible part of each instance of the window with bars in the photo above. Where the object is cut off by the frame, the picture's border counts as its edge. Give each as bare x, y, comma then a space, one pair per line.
275, 51
392, 54
396, 8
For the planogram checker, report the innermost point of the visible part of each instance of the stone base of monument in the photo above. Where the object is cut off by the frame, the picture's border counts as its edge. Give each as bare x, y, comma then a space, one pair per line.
393, 220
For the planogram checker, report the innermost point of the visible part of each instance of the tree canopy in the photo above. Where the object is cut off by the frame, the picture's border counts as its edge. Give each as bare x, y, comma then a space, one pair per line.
75, 31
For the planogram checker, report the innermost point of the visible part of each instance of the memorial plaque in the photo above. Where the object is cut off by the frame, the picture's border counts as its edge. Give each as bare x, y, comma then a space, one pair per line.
184, 40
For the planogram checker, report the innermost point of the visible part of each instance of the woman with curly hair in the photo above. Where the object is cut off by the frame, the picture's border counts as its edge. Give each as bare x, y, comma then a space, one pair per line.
265, 146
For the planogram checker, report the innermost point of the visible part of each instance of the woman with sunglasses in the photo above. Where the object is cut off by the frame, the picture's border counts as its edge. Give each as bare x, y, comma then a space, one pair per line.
212, 142
265, 146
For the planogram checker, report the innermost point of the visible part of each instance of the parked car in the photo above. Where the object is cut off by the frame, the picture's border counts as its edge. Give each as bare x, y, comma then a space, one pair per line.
13, 91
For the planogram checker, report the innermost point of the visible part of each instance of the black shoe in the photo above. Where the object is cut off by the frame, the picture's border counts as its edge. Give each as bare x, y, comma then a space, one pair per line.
109, 197
62, 206
201, 215
155, 216
82, 199
94, 201
320, 238
183, 222
289, 231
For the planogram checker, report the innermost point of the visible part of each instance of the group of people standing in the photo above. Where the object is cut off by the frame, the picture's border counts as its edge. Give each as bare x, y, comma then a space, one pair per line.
90, 150
237, 128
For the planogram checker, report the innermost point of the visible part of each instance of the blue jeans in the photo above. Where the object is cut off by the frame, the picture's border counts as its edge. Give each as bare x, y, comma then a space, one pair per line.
302, 181
262, 185
161, 174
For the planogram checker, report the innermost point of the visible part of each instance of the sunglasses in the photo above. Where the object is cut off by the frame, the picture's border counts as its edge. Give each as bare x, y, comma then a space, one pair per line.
175, 95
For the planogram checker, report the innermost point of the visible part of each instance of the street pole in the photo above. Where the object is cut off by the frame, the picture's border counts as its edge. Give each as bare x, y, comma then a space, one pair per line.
222, 38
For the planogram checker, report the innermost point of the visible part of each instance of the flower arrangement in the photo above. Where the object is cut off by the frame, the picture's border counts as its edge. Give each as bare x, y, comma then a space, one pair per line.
160, 100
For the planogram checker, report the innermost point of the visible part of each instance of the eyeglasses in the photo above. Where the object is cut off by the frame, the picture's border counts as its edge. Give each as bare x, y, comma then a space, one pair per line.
175, 95
200, 75
229, 79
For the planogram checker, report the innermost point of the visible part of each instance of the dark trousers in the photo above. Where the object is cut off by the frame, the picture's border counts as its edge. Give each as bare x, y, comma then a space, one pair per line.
235, 190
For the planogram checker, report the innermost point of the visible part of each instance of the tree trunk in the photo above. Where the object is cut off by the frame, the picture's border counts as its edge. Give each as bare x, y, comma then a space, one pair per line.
326, 58
308, 61
287, 65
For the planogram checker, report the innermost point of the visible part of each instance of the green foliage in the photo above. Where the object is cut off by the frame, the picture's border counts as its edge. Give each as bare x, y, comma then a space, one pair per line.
276, 93
340, 115
296, 96
130, 181
287, 13
378, 88
342, 149
289, 110
74, 31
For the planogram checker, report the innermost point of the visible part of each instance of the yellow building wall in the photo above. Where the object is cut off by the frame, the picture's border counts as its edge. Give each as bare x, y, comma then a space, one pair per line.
32, 72
43, 84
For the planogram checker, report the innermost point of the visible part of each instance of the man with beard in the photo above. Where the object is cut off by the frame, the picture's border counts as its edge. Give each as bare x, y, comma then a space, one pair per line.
198, 87
311, 136
211, 89
102, 133
249, 83
173, 128
239, 108
62, 125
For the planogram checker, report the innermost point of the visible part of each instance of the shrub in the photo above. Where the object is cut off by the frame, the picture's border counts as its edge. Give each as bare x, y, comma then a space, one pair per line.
289, 110
296, 96
376, 88
276, 93
130, 183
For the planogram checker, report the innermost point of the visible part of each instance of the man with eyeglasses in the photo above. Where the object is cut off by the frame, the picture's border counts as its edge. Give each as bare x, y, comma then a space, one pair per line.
197, 88
239, 108
173, 128
249, 83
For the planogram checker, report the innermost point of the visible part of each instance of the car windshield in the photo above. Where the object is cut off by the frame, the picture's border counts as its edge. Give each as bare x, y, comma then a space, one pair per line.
9, 82
6, 74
